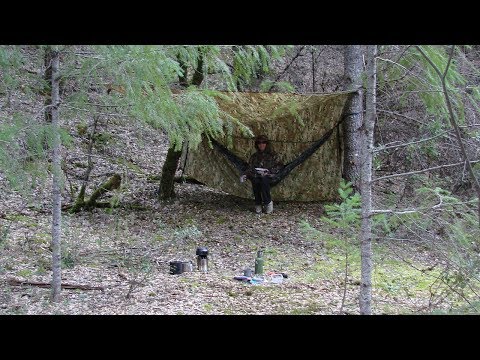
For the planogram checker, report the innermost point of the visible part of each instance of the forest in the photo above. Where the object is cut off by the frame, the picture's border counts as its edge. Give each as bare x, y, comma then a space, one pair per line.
122, 190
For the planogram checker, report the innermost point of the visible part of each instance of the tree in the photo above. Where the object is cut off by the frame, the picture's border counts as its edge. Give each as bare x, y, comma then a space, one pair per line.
167, 188
366, 142
433, 85
453, 121
47, 77
57, 175
247, 63
353, 68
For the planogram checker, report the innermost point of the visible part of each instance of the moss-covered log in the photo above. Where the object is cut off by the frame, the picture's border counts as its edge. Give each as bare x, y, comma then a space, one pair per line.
111, 184
80, 201
177, 179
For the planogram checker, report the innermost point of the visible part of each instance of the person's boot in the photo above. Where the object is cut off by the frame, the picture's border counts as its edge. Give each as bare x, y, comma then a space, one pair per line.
269, 207
258, 209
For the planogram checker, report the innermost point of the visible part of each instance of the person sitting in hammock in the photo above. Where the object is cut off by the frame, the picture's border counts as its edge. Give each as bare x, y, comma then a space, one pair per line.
262, 166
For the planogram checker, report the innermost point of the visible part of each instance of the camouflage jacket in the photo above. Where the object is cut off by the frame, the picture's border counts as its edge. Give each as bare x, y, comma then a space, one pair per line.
267, 160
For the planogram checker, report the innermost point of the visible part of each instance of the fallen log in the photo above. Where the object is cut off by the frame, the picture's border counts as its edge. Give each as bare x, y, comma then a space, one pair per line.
111, 184
177, 179
17, 282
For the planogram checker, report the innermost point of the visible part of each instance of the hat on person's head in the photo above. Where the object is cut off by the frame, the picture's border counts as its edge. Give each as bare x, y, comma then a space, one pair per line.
260, 139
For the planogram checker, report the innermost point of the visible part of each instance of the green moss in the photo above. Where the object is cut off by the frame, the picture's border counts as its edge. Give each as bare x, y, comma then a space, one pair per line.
310, 309
41, 271
131, 166
26, 220
69, 260
159, 238
221, 220
398, 278
25, 273
43, 265
42, 238
232, 294
82, 128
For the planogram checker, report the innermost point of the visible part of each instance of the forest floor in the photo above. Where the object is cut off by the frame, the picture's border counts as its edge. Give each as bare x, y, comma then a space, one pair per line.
127, 252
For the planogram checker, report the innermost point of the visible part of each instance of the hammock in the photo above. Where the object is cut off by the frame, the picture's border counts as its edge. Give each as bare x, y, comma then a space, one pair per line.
242, 165
308, 144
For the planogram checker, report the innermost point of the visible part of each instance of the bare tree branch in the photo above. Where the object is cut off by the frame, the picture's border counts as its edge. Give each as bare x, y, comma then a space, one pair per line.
422, 171
410, 143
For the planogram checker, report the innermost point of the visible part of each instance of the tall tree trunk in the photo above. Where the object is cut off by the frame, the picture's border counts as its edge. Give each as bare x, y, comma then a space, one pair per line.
366, 136
167, 182
312, 52
47, 76
183, 79
354, 113
56, 186
198, 75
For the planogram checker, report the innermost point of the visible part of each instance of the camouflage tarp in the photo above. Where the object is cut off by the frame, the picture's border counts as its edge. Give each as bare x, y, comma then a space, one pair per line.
292, 123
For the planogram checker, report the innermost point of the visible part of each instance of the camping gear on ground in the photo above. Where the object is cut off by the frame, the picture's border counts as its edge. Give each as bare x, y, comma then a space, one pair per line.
269, 273
179, 267
259, 263
276, 278
270, 277
257, 280
202, 259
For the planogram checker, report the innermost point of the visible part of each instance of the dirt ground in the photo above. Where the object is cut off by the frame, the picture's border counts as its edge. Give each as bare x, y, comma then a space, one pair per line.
128, 251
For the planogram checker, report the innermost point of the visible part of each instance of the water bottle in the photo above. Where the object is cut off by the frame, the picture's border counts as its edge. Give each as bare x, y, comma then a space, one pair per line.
259, 263
202, 259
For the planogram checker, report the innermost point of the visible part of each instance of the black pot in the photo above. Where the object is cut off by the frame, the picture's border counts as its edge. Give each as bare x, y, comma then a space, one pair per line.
178, 267
202, 251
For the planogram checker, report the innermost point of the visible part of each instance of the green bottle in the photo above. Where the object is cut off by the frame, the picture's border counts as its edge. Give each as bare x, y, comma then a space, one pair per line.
259, 263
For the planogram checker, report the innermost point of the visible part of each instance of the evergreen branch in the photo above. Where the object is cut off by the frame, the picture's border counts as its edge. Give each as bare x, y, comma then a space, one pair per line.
454, 124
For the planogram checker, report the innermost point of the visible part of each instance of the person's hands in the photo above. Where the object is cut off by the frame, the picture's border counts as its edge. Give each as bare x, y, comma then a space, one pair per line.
243, 178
